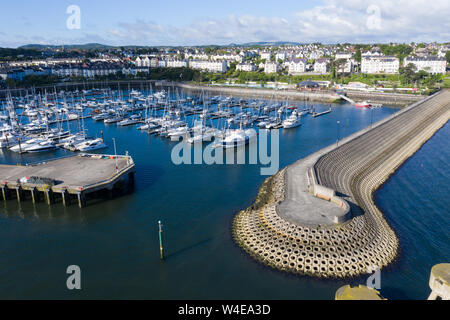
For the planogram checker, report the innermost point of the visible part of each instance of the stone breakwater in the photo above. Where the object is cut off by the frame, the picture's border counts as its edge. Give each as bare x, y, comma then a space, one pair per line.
325, 96
291, 241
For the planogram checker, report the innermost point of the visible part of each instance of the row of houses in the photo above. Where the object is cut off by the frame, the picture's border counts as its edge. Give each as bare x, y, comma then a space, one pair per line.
18, 74
205, 65
61, 61
91, 70
430, 64
373, 64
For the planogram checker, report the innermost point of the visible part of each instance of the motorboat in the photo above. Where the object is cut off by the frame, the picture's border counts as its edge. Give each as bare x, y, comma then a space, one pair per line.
176, 133
127, 122
101, 117
236, 138
273, 123
23, 145
113, 120
41, 147
292, 121
206, 134
91, 144
363, 104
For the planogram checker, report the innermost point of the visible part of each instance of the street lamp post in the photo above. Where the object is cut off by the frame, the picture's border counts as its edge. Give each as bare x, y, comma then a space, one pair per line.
337, 141
371, 116
115, 153
161, 252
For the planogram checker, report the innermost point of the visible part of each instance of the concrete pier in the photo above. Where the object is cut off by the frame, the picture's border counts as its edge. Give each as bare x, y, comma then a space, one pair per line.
77, 175
318, 216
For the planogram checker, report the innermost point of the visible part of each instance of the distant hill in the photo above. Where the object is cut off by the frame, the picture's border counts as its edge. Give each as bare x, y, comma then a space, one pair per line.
99, 46
265, 43
87, 46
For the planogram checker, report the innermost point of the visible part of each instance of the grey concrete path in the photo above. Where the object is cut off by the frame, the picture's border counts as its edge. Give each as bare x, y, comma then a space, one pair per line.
299, 206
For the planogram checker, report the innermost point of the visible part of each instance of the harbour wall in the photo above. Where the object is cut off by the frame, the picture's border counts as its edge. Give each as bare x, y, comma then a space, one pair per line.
355, 169
394, 99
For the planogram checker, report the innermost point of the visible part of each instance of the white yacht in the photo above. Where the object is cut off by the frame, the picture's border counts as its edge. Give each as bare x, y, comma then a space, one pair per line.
292, 121
206, 134
176, 133
92, 144
235, 138
41, 147
113, 120
25, 144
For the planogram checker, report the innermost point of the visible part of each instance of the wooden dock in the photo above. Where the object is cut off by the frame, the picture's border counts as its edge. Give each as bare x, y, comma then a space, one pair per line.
76, 175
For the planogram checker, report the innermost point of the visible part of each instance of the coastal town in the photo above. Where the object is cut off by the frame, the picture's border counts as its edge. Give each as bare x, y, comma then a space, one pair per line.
207, 151
386, 67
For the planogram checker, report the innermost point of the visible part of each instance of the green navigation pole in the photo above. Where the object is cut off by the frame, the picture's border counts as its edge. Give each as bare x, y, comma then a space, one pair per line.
160, 240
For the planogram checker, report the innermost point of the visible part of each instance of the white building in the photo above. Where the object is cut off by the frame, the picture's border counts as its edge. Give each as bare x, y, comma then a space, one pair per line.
443, 50
266, 56
379, 64
296, 66
177, 64
371, 53
347, 67
199, 56
211, 66
321, 65
227, 57
430, 64
162, 63
343, 55
281, 56
271, 67
143, 61
247, 67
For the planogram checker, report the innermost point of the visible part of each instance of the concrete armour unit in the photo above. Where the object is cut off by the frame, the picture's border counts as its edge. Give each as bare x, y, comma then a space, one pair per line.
290, 228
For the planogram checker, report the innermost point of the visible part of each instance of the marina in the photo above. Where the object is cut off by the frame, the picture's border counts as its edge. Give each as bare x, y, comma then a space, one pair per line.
41, 122
160, 193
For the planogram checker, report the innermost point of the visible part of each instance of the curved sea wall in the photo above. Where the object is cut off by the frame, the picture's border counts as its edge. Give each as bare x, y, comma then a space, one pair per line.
296, 226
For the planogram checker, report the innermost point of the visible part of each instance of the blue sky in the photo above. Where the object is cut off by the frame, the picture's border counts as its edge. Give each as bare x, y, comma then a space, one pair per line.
203, 22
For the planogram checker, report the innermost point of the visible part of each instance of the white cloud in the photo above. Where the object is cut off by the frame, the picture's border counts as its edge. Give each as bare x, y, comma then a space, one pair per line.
330, 22
334, 21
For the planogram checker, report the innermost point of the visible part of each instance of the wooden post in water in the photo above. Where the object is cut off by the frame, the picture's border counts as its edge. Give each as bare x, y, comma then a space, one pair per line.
160, 240
65, 198
5, 193
49, 197
33, 195
19, 193
81, 199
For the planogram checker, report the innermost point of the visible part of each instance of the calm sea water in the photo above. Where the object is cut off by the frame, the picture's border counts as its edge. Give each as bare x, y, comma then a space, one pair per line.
115, 242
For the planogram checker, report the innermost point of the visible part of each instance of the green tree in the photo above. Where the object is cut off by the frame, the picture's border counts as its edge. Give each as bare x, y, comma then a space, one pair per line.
358, 55
408, 73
